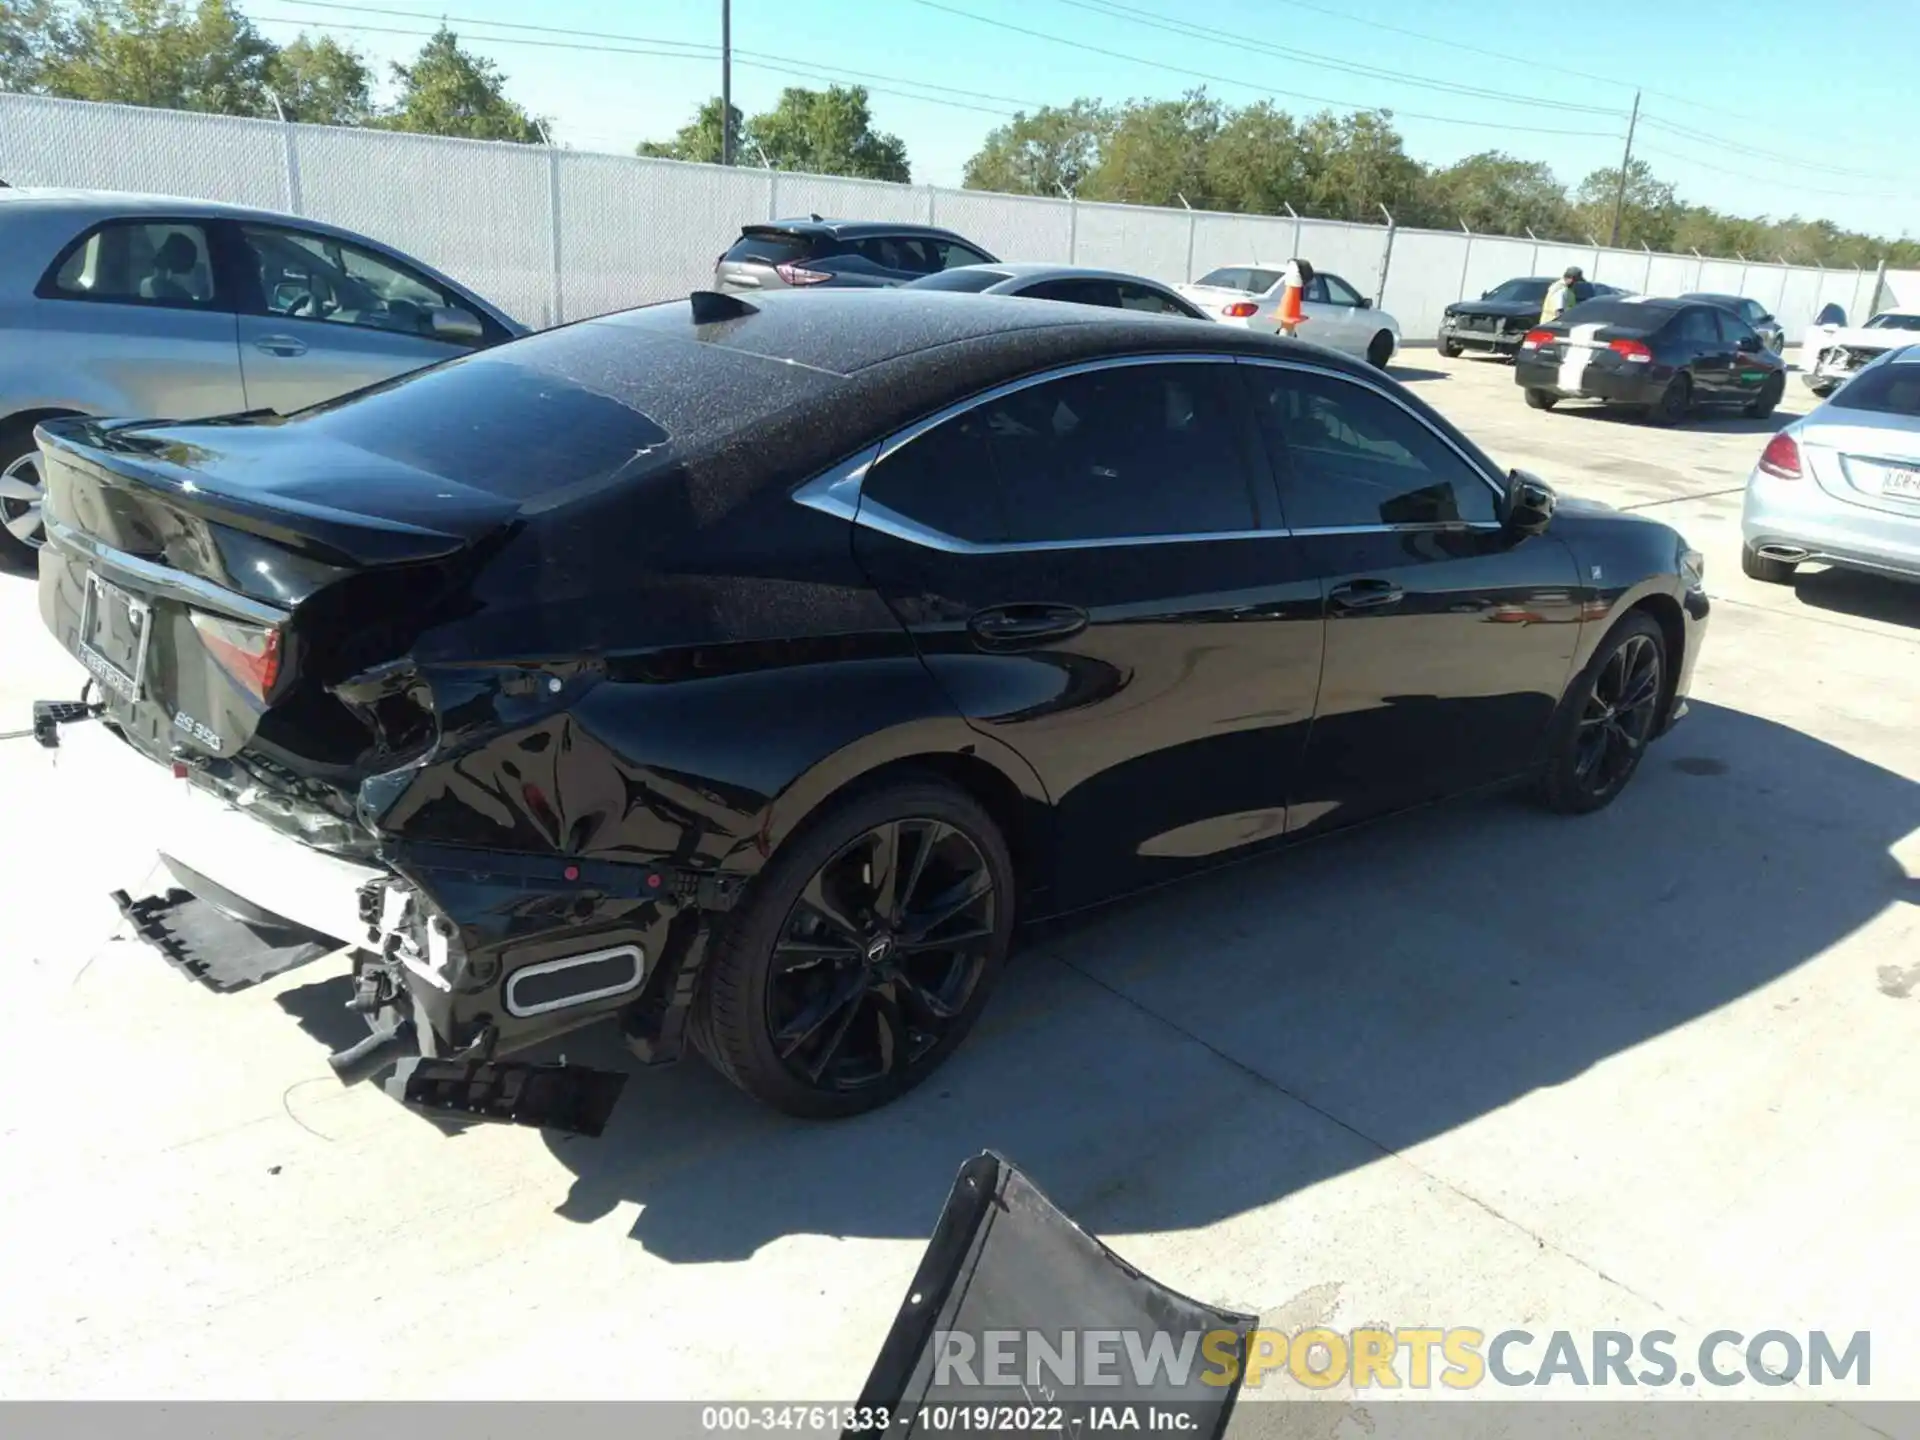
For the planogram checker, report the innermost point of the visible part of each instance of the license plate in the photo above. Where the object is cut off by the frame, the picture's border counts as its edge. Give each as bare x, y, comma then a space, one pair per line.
1904, 483
113, 637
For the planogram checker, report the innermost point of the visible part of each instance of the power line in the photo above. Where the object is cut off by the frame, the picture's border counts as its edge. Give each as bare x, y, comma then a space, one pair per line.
1248, 84
1739, 148
654, 53
1114, 10
1791, 186
698, 49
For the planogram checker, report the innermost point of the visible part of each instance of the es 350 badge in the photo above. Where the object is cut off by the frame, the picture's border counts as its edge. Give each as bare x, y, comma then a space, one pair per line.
196, 729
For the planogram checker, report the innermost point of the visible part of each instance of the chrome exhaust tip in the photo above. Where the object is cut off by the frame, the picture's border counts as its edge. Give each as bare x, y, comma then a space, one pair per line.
1791, 554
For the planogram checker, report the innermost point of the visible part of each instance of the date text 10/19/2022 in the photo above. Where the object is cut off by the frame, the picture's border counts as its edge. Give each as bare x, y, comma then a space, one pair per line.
981, 1419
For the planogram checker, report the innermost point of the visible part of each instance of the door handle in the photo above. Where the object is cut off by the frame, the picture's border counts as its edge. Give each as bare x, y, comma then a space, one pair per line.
1366, 595
1014, 627
280, 345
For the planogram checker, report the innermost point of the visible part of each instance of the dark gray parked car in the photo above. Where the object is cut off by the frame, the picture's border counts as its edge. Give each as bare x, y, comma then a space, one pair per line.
1770, 330
141, 307
857, 253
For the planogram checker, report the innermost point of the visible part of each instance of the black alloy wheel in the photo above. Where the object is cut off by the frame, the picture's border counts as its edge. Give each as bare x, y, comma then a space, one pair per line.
1611, 714
1674, 402
1770, 395
863, 953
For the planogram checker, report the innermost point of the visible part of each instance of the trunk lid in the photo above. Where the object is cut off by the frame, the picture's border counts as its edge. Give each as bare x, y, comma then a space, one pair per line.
209, 579
1874, 465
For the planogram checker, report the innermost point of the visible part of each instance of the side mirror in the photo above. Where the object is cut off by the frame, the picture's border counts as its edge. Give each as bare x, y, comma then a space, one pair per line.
457, 325
1366, 302
1747, 344
1530, 503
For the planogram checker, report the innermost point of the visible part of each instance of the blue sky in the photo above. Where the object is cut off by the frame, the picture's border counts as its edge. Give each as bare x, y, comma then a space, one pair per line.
1770, 81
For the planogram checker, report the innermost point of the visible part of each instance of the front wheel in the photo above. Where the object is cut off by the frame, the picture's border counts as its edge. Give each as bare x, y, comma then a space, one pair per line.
1450, 349
1542, 399
863, 953
1380, 350
1607, 720
1770, 395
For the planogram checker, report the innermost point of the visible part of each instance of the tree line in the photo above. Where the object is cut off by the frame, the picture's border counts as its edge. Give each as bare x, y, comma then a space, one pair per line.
207, 56
1195, 150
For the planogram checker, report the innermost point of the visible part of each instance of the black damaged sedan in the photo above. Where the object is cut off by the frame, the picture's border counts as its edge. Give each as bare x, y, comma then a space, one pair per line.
1660, 359
742, 673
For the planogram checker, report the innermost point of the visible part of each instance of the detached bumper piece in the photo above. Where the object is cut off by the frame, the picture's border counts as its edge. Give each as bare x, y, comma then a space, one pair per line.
1005, 1262
223, 953
573, 1098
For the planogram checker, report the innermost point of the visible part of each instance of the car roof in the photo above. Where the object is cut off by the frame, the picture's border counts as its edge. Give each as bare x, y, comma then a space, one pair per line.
108, 203
848, 229
1712, 298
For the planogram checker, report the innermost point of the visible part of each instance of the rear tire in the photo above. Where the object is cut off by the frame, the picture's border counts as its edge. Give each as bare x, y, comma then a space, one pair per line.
1380, 350
1609, 716
22, 487
1765, 568
1542, 399
1770, 395
1674, 403
808, 931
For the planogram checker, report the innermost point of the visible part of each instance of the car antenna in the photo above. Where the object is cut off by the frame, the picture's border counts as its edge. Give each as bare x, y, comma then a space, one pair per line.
710, 307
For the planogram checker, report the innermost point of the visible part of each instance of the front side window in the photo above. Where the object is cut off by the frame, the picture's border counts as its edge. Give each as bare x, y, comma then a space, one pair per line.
1352, 457
1339, 292
1130, 451
304, 276
139, 263
1075, 292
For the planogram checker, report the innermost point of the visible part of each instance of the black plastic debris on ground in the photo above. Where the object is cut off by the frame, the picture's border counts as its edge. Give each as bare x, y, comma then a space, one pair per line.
574, 1098
222, 953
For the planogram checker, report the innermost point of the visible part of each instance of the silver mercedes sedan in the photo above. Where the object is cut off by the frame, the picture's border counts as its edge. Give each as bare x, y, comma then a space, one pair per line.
1842, 486
140, 306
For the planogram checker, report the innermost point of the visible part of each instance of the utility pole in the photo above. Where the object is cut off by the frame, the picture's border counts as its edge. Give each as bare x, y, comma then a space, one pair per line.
1620, 190
726, 82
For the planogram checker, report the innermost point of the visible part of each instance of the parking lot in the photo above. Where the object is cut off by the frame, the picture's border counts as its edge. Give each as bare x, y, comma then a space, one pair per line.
1650, 1069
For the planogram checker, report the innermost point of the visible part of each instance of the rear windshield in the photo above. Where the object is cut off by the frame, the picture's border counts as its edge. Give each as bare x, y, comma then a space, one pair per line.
1622, 314
1240, 277
1894, 322
970, 278
1533, 292
542, 419
1889, 388
777, 247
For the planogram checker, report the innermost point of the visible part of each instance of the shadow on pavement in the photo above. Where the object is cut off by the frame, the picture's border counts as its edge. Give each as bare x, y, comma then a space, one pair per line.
1414, 374
1710, 422
1266, 1027
1867, 597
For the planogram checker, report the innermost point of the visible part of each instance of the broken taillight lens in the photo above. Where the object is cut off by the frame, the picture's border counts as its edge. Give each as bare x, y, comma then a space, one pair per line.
249, 653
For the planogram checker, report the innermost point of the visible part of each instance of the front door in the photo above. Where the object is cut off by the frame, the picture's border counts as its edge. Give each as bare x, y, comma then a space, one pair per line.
1091, 566
326, 317
1334, 314
1449, 640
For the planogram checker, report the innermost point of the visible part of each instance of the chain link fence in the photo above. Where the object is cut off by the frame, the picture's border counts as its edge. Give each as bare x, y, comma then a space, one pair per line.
553, 235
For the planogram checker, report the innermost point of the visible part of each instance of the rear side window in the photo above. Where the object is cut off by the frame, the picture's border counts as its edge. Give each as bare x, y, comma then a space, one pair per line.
1698, 327
777, 247
1136, 450
1352, 457
1153, 302
138, 263
1076, 292
943, 480
1889, 388
1233, 277
948, 253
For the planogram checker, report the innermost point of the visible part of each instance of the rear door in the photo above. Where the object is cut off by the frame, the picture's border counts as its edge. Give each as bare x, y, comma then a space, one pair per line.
1699, 340
1449, 641
1747, 356
1090, 565
147, 307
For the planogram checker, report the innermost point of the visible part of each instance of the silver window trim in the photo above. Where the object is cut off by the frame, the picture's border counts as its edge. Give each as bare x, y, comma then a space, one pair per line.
837, 491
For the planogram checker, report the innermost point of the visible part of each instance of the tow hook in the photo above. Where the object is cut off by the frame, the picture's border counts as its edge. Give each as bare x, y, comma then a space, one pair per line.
50, 715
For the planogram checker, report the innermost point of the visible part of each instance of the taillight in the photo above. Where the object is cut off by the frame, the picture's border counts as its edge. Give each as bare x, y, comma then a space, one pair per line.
1536, 338
1240, 310
1781, 458
800, 275
249, 653
1631, 350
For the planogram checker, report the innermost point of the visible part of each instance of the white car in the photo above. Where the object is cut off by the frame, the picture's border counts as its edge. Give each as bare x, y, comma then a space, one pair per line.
1332, 312
1833, 353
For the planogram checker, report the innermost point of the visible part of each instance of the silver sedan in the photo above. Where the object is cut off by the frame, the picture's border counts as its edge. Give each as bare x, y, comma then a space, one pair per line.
1072, 283
143, 307
1842, 486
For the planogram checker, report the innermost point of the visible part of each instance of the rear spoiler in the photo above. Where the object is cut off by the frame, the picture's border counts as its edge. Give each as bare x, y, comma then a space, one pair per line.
1006, 1268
